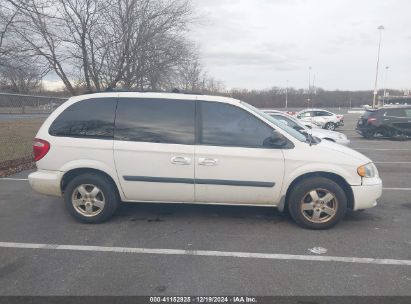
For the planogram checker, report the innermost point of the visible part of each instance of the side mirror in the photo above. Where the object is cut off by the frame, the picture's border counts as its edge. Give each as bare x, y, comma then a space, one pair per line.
276, 140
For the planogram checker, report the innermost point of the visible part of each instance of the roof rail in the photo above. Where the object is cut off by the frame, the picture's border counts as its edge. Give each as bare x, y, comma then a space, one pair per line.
114, 90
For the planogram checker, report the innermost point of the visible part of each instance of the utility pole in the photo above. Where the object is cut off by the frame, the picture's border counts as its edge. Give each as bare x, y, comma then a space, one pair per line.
385, 84
309, 87
380, 28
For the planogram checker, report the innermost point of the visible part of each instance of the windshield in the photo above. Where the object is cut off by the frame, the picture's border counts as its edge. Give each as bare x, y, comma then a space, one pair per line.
277, 123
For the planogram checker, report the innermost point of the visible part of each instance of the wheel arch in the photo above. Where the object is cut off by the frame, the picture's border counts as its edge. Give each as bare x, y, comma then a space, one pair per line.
69, 175
332, 176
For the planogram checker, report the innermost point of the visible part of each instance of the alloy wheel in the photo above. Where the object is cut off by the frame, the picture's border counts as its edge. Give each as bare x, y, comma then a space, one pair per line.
88, 200
319, 205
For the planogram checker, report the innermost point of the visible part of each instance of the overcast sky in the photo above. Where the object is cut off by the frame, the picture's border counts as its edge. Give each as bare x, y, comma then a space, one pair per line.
263, 43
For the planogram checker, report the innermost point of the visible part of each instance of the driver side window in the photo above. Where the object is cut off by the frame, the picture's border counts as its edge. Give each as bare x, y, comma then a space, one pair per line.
227, 125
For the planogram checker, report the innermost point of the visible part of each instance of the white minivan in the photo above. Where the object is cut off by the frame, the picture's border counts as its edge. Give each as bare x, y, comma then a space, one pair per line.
100, 149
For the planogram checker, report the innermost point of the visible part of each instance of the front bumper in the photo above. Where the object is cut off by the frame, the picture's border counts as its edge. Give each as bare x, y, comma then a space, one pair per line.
46, 182
366, 195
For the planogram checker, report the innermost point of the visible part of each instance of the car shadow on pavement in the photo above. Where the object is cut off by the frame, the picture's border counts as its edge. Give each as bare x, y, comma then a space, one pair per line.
160, 212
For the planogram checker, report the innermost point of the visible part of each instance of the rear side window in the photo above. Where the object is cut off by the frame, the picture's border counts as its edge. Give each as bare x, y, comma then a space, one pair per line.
305, 114
322, 113
155, 120
227, 125
92, 118
396, 112
368, 114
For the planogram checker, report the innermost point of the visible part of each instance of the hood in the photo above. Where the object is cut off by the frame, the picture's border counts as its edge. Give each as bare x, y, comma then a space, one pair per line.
344, 150
325, 133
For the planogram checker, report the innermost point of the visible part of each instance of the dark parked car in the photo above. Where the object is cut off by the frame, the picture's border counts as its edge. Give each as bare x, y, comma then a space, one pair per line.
386, 122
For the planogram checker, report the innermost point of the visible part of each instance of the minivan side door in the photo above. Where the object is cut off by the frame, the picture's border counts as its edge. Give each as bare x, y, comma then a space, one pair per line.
154, 149
232, 165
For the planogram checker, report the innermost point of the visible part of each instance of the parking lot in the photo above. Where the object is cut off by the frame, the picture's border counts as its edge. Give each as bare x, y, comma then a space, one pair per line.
169, 249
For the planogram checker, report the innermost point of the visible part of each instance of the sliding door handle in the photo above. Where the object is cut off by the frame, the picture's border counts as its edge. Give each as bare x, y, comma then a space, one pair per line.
204, 161
180, 160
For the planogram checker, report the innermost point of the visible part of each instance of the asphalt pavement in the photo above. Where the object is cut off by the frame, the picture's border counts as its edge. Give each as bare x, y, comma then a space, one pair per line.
210, 250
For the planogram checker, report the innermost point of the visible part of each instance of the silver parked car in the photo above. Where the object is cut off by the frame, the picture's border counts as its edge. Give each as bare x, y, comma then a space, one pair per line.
326, 119
310, 128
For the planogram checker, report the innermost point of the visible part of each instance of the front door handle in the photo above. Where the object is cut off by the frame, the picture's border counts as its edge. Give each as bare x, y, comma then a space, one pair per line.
180, 160
205, 161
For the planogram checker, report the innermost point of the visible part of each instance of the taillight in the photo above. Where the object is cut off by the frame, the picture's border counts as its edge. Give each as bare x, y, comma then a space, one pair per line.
40, 148
339, 117
371, 120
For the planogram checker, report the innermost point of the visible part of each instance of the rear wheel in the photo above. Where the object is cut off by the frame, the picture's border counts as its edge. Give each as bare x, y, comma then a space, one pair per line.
330, 126
317, 203
91, 198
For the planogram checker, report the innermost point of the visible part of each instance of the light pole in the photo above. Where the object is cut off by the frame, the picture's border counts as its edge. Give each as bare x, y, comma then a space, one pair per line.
380, 28
385, 84
309, 79
286, 95
309, 87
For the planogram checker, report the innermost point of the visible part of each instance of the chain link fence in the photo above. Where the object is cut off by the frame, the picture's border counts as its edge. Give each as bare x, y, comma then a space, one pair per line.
20, 118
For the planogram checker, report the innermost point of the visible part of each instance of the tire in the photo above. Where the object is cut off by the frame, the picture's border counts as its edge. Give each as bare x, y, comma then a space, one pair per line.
369, 134
399, 137
91, 198
330, 126
385, 132
328, 213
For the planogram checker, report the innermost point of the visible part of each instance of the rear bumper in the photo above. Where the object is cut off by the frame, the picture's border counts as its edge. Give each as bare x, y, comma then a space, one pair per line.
46, 182
366, 195
340, 123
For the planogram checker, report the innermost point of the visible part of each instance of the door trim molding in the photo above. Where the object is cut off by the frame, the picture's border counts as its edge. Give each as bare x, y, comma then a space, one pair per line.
222, 182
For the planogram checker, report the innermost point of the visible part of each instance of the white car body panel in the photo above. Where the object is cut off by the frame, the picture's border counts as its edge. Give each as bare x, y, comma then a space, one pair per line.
155, 160
239, 164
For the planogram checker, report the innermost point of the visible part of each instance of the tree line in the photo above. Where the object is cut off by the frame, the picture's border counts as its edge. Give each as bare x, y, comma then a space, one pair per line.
95, 45
297, 98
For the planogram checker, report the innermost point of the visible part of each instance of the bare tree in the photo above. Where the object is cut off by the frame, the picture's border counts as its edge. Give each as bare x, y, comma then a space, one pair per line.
105, 43
7, 17
20, 75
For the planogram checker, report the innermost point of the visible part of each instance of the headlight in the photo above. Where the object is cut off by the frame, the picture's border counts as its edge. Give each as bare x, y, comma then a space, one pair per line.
368, 170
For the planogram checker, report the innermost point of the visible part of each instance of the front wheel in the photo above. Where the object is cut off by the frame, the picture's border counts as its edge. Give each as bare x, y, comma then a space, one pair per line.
330, 126
370, 134
91, 198
317, 203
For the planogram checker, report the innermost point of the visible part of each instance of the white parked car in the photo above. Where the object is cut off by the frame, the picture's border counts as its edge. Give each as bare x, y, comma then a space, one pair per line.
326, 119
307, 128
100, 149
308, 124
